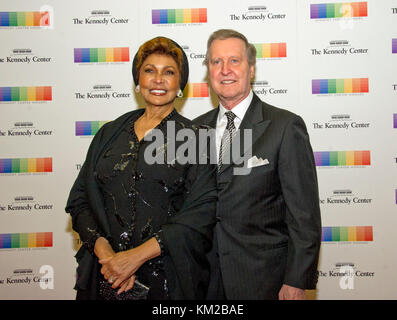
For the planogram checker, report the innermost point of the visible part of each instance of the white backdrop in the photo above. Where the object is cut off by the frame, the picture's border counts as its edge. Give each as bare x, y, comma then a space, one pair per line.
349, 42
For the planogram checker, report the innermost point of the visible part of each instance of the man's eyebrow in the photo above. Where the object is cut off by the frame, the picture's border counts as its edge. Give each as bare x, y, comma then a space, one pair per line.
231, 57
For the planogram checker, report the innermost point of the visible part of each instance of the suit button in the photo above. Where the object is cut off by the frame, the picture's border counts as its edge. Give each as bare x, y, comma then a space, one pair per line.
221, 186
218, 219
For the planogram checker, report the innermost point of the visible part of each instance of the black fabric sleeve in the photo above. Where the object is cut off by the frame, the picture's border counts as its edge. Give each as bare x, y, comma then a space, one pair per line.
187, 236
298, 178
83, 221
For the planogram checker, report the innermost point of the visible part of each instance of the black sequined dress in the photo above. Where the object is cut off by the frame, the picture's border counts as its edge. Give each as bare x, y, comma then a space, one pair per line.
139, 198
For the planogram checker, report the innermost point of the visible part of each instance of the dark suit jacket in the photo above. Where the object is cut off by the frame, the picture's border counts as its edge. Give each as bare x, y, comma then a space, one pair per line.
269, 227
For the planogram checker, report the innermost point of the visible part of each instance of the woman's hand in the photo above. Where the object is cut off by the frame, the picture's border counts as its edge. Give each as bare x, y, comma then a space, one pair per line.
103, 249
123, 265
127, 285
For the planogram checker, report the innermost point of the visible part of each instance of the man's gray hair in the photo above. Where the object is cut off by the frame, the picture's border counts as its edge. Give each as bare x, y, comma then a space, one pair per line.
224, 34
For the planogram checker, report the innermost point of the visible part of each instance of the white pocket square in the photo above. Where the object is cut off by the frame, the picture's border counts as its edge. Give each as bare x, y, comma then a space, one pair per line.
256, 162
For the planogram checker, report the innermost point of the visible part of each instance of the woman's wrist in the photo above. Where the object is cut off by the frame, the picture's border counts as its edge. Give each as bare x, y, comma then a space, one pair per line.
102, 248
147, 251
158, 235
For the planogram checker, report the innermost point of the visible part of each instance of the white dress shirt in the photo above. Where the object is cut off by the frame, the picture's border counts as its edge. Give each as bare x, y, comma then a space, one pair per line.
239, 110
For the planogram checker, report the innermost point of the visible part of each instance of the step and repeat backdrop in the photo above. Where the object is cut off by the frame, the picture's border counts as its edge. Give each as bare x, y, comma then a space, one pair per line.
65, 70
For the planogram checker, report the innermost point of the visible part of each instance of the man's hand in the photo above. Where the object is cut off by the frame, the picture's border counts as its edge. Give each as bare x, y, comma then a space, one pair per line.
291, 293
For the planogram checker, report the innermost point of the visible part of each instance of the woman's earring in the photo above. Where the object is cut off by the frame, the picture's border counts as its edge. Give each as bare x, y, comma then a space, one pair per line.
137, 88
180, 93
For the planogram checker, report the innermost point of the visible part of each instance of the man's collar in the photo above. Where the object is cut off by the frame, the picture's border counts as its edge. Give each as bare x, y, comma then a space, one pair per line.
240, 109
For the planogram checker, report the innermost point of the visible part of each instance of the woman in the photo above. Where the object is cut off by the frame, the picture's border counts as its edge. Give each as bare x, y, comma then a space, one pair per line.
145, 227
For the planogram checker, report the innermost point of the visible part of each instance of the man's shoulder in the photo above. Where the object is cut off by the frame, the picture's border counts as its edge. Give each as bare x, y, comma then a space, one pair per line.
183, 121
276, 113
205, 118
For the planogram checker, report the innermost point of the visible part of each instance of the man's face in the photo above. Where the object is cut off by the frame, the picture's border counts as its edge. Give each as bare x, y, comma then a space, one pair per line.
230, 74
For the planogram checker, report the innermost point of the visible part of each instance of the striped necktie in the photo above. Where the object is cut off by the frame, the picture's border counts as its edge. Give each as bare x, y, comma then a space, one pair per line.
227, 137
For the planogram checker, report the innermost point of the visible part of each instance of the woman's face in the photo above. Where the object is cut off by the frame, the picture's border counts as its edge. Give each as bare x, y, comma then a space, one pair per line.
159, 80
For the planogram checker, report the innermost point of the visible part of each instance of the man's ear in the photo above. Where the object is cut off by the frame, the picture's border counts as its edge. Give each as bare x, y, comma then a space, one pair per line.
252, 72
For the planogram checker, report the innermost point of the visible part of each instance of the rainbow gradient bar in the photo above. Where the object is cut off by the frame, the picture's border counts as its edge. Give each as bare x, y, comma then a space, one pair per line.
25, 93
342, 158
25, 165
196, 90
167, 16
395, 121
25, 240
338, 10
394, 45
271, 50
88, 128
327, 86
82, 55
25, 19
347, 234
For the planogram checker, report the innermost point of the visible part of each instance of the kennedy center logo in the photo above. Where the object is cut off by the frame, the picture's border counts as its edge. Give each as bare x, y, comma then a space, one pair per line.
265, 88
347, 234
88, 128
26, 94
25, 240
339, 48
345, 197
25, 56
179, 16
257, 13
340, 86
196, 90
26, 204
341, 121
102, 92
25, 129
271, 50
101, 55
338, 10
100, 17
26, 19
342, 158
26, 165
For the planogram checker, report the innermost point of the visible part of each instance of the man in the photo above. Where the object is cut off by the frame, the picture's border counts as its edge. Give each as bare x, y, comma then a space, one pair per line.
268, 234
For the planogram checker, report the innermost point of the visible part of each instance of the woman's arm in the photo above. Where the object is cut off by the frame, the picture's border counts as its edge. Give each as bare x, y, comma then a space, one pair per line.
78, 205
103, 249
83, 221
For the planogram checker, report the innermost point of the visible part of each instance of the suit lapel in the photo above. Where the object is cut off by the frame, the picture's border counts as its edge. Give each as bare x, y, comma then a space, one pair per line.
211, 118
254, 120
